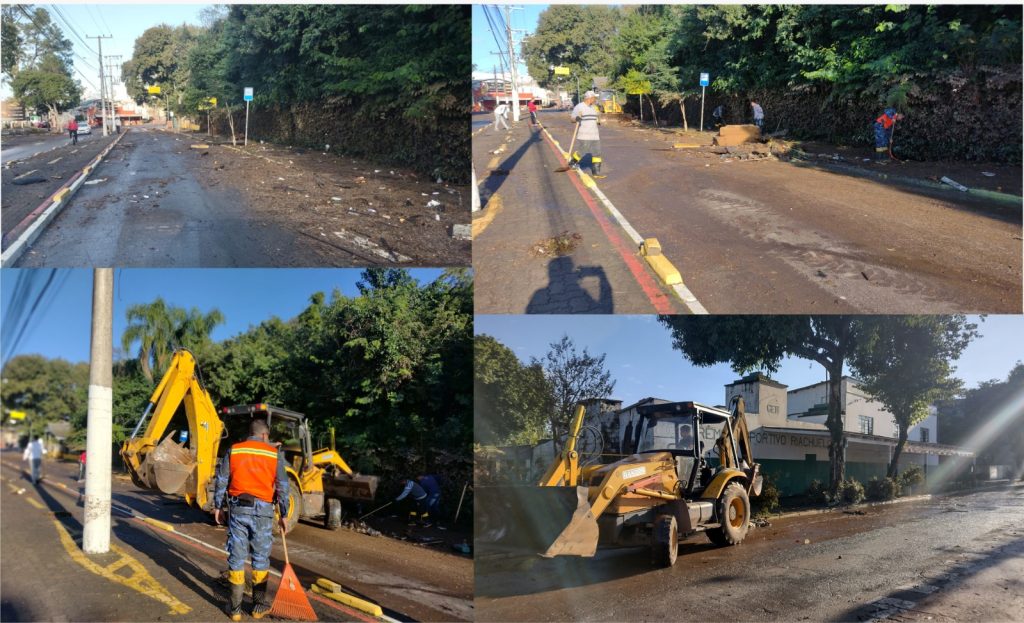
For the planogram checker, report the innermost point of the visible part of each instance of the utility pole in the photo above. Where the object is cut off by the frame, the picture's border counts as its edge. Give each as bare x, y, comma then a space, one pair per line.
512, 63
99, 423
103, 85
113, 104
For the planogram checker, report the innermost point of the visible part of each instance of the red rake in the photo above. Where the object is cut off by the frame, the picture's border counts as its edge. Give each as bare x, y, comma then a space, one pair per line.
291, 601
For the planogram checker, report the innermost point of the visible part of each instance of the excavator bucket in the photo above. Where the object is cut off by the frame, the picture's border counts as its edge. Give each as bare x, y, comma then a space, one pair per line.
168, 466
549, 521
358, 488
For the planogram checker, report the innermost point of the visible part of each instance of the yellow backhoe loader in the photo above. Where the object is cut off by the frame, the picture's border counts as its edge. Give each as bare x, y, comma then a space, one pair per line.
186, 464
674, 486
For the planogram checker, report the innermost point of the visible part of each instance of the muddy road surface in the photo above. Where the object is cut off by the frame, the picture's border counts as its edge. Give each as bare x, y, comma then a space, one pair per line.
409, 581
177, 200
768, 236
946, 558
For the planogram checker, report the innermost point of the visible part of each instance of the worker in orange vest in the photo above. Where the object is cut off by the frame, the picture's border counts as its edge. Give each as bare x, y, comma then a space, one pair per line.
884, 126
253, 480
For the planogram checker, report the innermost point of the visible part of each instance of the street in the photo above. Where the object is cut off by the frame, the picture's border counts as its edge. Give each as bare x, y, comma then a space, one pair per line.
21, 146
953, 558
748, 236
178, 200
46, 577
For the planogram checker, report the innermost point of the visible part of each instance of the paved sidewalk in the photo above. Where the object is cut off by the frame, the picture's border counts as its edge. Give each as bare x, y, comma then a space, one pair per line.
542, 244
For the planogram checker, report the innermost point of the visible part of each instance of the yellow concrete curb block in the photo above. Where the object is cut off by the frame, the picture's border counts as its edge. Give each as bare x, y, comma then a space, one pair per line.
60, 196
686, 146
328, 585
350, 600
200, 146
86, 170
587, 180
668, 273
163, 525
651, 246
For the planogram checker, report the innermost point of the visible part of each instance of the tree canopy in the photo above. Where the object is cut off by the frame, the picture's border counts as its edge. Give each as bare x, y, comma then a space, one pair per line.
37, 59
512, 401
48, 390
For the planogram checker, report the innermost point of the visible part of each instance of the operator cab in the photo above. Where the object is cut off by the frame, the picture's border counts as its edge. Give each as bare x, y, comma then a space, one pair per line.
287, 428
681, 428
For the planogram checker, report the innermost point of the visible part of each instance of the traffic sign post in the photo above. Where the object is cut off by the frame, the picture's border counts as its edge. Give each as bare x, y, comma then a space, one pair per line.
247, 95
704, 82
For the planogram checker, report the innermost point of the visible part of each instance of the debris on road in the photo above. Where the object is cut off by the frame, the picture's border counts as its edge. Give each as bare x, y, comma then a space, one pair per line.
556, 246
28, 180
462, 232
94, 182
954, 184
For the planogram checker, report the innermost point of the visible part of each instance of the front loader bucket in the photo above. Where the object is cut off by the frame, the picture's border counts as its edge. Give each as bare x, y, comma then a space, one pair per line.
168, 466
356, 488
549, 521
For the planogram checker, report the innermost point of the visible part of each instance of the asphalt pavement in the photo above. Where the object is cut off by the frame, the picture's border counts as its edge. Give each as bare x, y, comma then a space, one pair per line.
766, 236
175, 574
948, 558
21, 146
542, 244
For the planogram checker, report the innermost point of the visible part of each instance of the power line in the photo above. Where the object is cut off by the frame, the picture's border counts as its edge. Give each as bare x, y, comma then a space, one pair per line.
104, 20
67, 22
92, 17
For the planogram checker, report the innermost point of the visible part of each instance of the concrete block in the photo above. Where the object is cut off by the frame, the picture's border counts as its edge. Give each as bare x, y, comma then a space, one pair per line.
731, 135
651, 247
668, 273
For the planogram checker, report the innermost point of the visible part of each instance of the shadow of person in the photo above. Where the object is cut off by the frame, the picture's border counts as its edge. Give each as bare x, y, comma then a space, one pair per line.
565, 293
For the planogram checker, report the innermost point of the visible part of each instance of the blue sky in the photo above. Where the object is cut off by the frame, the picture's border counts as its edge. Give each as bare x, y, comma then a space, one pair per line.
523, 19
643, 363
125, 22
246, 297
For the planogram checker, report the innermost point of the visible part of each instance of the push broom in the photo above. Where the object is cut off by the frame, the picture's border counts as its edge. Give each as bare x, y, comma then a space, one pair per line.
291, 601
572, 144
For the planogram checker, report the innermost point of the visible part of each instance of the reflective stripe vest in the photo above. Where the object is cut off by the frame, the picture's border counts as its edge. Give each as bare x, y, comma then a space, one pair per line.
885, 120
253, 470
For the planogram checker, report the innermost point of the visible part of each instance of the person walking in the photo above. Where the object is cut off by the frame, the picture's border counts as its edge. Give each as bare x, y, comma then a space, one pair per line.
500, 111
81, 466
758, 115
588, 137
252, 481
432, 485
532, 107
884, 126
34, 453
73, 130
412, 489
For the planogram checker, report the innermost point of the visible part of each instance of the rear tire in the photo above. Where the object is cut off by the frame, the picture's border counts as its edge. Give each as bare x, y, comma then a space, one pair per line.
333, 514
294, 506
665, 541
733, 513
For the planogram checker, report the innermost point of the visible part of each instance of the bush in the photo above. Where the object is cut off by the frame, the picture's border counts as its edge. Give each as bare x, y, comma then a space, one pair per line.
817, 492
912, 476
882, 490
850, 491
768, 501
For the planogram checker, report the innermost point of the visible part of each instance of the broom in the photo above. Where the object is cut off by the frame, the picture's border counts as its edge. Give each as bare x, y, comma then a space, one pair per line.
291, 601
572, 144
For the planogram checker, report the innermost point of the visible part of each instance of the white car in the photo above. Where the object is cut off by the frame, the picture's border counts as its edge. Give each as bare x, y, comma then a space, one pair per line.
83, 127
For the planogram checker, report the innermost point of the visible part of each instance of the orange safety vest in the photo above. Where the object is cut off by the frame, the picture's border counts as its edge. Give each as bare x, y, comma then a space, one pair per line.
886, 121
253, 470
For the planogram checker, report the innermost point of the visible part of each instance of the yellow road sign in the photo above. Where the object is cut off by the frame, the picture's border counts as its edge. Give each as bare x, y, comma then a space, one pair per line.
154, 90
213, 100
17, 415
562, 71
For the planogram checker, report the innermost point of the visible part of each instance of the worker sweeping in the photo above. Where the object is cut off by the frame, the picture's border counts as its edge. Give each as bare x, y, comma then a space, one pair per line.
412, 489
884, 126
252, 477
432, 485
500, 111
588, 136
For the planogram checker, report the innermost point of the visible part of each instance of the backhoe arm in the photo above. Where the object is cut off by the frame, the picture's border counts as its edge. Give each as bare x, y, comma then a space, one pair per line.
169, 466
565, 470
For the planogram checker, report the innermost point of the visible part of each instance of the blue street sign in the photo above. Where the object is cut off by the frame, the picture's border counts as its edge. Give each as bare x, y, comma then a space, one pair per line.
705, 80
248, 94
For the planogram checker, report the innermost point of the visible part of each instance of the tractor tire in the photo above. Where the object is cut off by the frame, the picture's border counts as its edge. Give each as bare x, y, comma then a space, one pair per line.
332, 514
294, 507
664, 541
733, 511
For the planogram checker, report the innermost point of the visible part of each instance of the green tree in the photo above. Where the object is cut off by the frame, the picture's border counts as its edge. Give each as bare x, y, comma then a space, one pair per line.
512, 402
47, 87
159, 58
906, 364
29, 36
573, 36
752, 342
574, 376
159, 329
46, 389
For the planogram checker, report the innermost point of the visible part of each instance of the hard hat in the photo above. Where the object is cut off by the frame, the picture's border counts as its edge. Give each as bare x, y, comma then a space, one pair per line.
589, 94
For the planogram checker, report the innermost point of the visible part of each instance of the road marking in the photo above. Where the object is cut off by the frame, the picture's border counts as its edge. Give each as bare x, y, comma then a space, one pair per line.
56, 160
494, 206
35, 503
140, 580
24, 174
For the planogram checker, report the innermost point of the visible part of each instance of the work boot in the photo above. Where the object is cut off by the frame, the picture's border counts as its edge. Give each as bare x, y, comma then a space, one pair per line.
235, 604
260, 606
597, 170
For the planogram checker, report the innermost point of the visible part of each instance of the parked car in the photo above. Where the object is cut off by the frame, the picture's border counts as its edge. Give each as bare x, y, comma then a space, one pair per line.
83, 127
43, 123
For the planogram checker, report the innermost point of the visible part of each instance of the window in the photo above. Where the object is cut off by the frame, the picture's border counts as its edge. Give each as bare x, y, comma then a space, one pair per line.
924, 435
867, 425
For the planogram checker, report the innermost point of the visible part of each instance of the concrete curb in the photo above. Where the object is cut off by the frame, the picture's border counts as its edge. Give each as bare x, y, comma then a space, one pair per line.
1004, 198
834, 509
666, 271
29, 229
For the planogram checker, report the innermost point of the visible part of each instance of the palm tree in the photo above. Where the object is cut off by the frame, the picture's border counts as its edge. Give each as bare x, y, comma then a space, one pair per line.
160, 328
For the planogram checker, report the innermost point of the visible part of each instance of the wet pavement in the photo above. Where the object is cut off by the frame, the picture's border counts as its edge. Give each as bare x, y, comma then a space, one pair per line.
22, 146
766, 236
542, 244
42, 579
955, 557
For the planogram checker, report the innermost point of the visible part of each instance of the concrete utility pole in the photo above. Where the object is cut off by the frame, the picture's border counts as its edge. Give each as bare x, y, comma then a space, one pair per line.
103, 85
512, 63
113, 104
96, 532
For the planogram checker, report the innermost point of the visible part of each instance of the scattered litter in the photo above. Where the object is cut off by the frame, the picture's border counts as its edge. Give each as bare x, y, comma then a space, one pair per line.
437, 217
433, 203
281, 179
867, 160
360, 180
988, 174
822, 274
376, 170
335, 198
435, 193
371, 210
954, 184
761, 523
145, 196
94, 182
865, 275
807, 541
462, 232
854, 513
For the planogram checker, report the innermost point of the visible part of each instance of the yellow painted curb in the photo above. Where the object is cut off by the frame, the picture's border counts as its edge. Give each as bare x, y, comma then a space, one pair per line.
60, 195
200, 146
328, 585
686, 146
350, 600
651, 246
86, 170
587, 180
668, 273
163, 525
